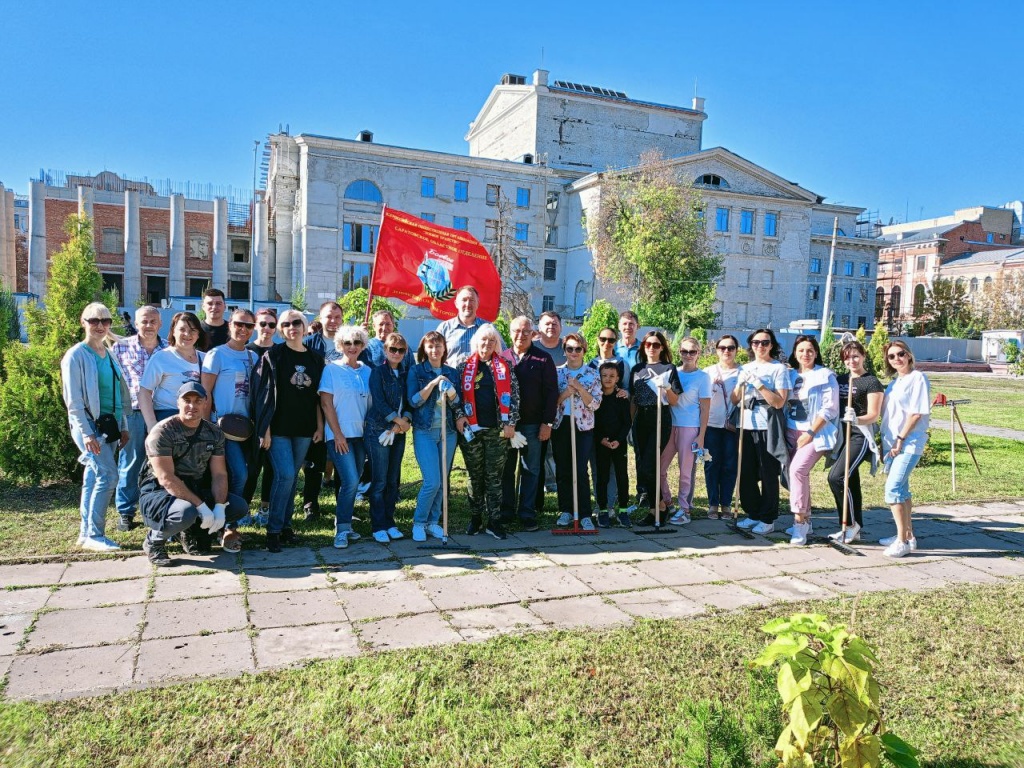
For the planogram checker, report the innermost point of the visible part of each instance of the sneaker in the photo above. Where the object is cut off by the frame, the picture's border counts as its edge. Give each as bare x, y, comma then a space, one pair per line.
231, 541
529, 524
341, 539
890, 540
747, 523
273, 542
898, 549
157, 553
604, 520
381, 537
587, 523
419, 533
475, 526
126, 523
564, 520
798, 537
680, 518
263, 518
394, 533
287, 536
791, 530
189, 541
494, 529
852, 534
434, 530
247, 521
312, 510
624, 520
763, 529
647, 521
353, 536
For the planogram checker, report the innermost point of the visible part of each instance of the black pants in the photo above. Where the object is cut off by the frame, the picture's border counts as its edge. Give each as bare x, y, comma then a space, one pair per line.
561, 443
608, 459
648, 448
759, 478
316, 462
858, 447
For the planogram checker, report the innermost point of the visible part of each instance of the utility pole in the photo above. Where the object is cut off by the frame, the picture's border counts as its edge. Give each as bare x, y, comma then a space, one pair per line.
828, 278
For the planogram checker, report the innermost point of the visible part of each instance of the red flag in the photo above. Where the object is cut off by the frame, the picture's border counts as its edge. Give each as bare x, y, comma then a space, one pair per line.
424, 265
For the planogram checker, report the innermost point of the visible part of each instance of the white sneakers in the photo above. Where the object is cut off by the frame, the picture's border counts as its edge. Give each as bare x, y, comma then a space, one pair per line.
746, 523
341, 540
888, 541
99, 544
680, 518
564, 520
394, 533
419, 533
587, 523
436, 531
852, 534
898, 549
799, 535
381, 537
792, 528
763, 529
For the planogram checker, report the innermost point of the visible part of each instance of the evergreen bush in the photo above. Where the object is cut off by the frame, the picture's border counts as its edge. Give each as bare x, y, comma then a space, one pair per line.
601, 315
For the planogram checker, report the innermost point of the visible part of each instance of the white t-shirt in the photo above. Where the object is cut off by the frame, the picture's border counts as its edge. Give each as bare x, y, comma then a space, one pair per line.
696, 387
904, 396
775, 377
165, 372
811, 394
723, 382
233, 371
350, 388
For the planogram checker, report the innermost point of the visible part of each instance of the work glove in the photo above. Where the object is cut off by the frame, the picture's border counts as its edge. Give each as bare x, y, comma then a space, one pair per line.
518, 441
850, 415
218, 517
445, 386
387, 437
747, 379
206, 517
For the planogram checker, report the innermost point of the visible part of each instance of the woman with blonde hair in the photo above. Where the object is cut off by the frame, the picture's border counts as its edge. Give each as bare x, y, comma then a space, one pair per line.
167, 370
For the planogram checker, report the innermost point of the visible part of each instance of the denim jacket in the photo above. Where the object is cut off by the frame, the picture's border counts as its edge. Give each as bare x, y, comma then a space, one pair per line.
420, 375
387, 395
80, 384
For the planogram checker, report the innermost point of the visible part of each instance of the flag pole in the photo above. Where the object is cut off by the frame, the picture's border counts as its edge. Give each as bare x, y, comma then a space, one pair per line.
373, 271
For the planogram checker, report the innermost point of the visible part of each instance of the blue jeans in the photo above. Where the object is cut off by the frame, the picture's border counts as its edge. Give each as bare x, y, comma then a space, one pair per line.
386, 477
897, 480
98, 485
720, 472
426, 444
164, 413
348, 466
129, 464
238, 469
286, 457
528, 461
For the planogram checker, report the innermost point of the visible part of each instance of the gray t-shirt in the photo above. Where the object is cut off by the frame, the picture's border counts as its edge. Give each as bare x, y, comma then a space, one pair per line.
233, 370
190, 449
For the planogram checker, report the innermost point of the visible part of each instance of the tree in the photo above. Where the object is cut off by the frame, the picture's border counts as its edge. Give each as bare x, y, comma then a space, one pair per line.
353, 306
947, 310
876, 349
10, 327
832, 350
601, 315
513, 268
649, 233
1000, 304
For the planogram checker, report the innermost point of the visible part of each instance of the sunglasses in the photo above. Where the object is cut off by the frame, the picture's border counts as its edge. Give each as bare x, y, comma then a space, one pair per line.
573, 348
247, 326
396, 350
652, 344
264, 324
689, 352
606, 340
761, 343
897, 355
98, 320
352, 343
291, 323
729, 348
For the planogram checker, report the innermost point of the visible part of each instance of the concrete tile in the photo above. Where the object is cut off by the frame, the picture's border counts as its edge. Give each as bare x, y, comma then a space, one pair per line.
677, 570
728, 543
282, 609
955, 572
209, 584
736, 566
218, 561
726, 597
577, 554
105, 570
793, 559
71, 673
907, 577
5, 664
390, 600
21, 601
446, 565
284, 646
103, 593
87, 626
12, 630
543, 584
367, 574
1008, 567
478, 624
661, 603
650, 548
30, 575
871, 557
468, 591
612, 577
287, 579
787, 588
192, 617
847, 582
222, 655
408, 632
515, 561
259, 559
591, 612
365, 550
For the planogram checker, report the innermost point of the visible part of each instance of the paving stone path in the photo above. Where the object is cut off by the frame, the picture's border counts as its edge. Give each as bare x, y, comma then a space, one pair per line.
114, 624
1003, 432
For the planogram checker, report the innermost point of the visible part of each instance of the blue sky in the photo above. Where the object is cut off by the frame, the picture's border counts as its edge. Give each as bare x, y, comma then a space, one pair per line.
903, 108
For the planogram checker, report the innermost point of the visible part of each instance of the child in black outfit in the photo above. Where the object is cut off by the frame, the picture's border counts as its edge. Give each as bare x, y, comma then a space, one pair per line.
611, 426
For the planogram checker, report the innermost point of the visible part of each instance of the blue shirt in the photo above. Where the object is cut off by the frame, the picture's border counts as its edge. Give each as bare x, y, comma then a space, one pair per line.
459, 338
628, 354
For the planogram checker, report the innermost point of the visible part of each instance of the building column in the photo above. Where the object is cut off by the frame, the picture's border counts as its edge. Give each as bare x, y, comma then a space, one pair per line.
221, 244
8, 264
283, 253
260, 288
176, 278
37, 270
132, 251
85, 197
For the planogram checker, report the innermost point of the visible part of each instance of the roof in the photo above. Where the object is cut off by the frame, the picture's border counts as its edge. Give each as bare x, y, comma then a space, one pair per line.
926, 234
997, 256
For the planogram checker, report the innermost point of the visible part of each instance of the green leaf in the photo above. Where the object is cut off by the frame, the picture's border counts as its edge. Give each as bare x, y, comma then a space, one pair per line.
848, 712
860, 752
852, 677
792, 682
804, 716
785, 645
861, 651
777, 626
898, 752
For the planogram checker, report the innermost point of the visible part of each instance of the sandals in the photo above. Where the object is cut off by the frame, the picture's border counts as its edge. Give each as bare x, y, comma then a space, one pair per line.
714, 514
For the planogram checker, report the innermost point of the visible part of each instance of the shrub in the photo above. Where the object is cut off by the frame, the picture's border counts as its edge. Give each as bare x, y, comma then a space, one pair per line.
601, 315
353, 306
876, 350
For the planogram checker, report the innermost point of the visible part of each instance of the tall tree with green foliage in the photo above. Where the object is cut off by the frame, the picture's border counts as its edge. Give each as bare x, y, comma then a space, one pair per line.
353, 306
601, 315
947, 309
876, 349
649, 233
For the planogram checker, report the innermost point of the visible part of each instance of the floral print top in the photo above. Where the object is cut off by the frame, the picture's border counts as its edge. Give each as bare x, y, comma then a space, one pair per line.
584, 414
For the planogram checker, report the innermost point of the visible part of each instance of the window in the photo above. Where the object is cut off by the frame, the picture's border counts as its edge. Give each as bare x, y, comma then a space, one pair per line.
427, 217
768, 278
766, 315
113, 282
547, 304
701, 214
865, 270
844, 321
239, 252
743, 281
988, 281
863, 294
238, 290
493, 193
522, 197
522, 267
712, 180
156, 244
113, 240
815, 266
741, 313
922, 263
461, 191
919, 299
199, 247
896, 302
721, 219
490, 230
814, 292
363, 190
862, 321
552, 236
359, 237
550, 269
847, 294
355, 274
156, 289
771, 221
746, 222
832, 294
460, 222
988, 238
848, 268
427, 186
879, 302
196, 286
522, 232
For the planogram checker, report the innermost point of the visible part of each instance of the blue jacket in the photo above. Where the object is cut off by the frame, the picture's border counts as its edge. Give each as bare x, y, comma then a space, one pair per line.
387, 396
420, 375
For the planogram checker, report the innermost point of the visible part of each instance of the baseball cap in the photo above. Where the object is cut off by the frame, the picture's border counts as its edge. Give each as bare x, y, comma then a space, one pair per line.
192, 386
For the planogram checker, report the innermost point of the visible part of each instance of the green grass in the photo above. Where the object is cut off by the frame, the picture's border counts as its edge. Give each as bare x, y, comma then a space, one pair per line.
949, 664
995, 401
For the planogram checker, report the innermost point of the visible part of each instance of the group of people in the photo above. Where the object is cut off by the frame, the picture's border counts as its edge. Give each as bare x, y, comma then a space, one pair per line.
179, 430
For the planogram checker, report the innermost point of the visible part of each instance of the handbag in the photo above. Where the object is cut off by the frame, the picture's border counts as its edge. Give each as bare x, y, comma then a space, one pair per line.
107, 424
236, 428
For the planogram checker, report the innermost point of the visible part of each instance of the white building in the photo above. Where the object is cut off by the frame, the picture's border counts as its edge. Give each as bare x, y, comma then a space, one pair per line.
543, 146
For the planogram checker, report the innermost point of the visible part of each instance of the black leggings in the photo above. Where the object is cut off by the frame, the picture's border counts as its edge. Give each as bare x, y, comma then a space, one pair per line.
859, 450
648, 449
606, 460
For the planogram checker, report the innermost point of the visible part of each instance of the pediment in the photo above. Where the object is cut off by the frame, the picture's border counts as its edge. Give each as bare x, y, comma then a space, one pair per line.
741, 176
500, 100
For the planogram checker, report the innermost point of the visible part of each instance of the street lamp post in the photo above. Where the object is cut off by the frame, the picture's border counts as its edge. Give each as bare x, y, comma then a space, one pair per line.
252, 230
